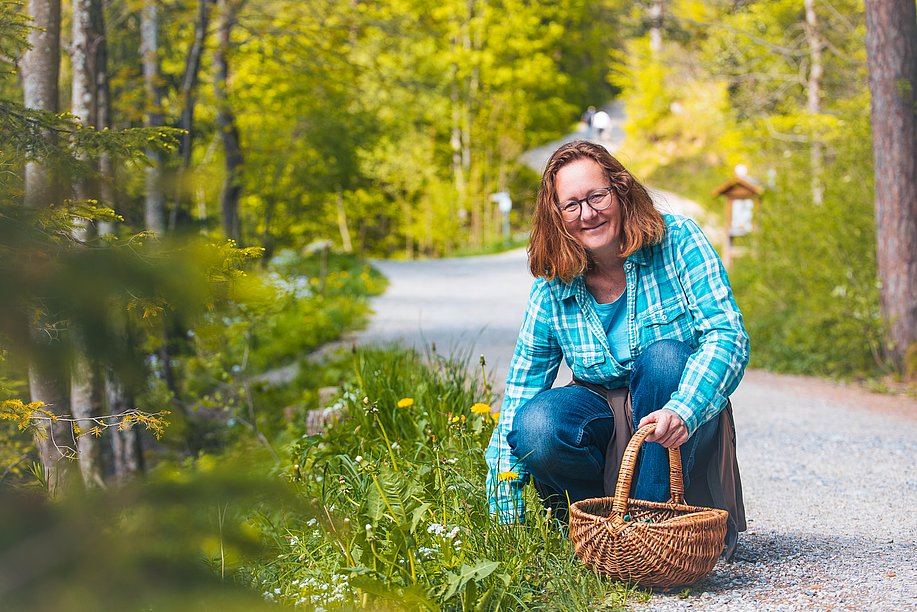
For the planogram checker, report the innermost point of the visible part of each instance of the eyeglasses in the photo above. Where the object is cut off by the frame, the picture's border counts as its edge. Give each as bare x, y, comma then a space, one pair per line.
572, 209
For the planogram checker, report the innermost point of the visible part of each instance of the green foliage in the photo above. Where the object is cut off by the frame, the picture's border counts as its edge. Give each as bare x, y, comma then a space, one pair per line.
400, 514
270, 318
397, 119
809, 292
177, 541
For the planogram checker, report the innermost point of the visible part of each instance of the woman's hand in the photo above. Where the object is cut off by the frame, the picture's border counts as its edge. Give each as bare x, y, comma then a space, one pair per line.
670, 429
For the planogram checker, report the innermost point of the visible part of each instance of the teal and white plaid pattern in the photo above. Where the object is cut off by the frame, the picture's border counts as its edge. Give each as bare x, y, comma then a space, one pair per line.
676, 289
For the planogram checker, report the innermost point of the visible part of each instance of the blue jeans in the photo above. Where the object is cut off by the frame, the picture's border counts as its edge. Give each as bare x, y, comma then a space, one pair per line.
561, 434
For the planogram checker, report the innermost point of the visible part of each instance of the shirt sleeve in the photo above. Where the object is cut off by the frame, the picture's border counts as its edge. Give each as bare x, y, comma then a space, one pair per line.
532, 370
713, 371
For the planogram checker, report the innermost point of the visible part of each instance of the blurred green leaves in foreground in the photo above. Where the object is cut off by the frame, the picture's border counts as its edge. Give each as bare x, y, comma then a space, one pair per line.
174, 542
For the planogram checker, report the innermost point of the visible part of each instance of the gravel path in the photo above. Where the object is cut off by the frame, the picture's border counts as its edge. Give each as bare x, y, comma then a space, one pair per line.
829, 471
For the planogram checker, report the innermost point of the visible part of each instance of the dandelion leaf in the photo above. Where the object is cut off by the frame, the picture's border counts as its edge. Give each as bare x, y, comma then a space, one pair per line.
410, 598
394, 495
457, 581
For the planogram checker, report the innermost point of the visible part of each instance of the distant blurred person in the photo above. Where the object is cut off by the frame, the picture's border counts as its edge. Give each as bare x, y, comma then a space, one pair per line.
601, 125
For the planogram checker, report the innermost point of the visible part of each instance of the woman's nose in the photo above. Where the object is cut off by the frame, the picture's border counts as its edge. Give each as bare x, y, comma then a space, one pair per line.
587, 212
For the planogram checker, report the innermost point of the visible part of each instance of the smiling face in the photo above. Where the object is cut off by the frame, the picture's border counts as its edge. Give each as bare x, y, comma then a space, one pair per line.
598, 231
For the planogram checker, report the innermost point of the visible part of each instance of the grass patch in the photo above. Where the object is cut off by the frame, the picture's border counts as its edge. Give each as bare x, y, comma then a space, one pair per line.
398, 514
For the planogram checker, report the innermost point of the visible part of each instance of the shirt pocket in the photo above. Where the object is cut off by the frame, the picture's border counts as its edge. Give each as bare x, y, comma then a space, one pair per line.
668, 320
589, 365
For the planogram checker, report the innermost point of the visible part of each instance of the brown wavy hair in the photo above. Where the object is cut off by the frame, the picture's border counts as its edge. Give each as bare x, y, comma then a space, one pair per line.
553, 252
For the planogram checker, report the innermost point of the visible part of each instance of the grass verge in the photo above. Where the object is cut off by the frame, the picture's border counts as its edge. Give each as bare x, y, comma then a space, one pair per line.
397, 513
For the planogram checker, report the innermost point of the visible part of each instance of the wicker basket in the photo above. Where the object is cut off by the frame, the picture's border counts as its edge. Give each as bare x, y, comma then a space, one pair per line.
647, 543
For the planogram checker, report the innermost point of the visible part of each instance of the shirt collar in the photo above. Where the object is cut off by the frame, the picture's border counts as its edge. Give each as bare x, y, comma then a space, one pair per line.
570, 289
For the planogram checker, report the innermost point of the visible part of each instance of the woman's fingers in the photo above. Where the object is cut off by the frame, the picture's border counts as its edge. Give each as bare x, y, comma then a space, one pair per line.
670, 429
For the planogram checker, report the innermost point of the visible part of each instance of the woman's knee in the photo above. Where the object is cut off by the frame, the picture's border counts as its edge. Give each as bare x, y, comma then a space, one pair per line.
664, 358
556, 425
534, 434
661, 364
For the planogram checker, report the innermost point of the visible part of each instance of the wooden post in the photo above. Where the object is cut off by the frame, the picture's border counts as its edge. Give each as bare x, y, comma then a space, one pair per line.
727, 235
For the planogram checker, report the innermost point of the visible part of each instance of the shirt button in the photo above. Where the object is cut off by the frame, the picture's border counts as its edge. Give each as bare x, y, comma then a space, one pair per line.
628, 265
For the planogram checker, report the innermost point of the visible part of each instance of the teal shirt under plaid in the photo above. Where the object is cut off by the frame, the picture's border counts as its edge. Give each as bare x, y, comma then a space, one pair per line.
676, 289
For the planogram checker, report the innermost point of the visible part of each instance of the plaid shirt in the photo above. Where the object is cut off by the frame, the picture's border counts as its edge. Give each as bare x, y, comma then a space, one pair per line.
675, 289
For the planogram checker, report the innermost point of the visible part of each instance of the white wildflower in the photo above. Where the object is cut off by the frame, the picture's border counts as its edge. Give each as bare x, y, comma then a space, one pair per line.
436, 529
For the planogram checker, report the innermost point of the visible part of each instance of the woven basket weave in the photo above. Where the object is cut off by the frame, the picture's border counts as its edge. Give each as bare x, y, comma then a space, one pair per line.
647, 543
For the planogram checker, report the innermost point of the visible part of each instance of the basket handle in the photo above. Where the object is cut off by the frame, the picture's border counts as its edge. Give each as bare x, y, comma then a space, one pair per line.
625, 476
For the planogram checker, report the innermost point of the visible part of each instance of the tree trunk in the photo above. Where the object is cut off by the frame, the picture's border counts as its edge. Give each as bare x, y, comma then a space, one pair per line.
891, 47
154, 200
656, 19
82, 95
85, 403
226, 122
455, 141
90, 104
469, 95
40, 69
343, 227
188, 89
813, 102
103, 113
46, 385
127, 449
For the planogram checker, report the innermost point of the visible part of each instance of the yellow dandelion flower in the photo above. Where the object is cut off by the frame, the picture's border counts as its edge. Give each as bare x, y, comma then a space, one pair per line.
480, 408
504, 476
406, 402
495, 416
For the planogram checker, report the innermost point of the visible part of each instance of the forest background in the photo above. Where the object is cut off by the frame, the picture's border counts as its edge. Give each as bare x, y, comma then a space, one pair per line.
189, 188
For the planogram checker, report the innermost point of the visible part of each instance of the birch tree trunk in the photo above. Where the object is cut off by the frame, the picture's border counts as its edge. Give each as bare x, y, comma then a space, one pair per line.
85, 403
126, 445
82, 94
40, 70
90, 103
813, 99
154, 198
891, 48
656, 20
106, 184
